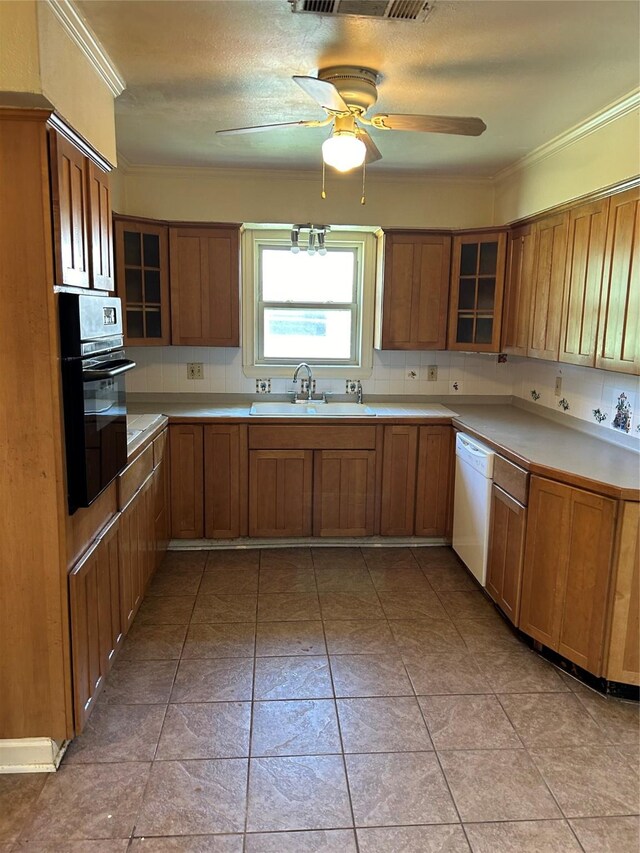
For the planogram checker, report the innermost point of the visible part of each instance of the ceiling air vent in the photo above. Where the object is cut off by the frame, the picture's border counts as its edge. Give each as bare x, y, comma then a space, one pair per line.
395, 10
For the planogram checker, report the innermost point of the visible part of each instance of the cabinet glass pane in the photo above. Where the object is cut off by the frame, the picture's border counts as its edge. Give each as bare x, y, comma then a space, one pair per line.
464, 334
132, 253
135, 323
486, 292
133, 284
152, 286
484, 330
154, 324
488, 258
468, 259
151, 244
467, 293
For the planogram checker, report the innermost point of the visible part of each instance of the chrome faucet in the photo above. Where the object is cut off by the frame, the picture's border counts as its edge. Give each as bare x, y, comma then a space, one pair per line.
309, 379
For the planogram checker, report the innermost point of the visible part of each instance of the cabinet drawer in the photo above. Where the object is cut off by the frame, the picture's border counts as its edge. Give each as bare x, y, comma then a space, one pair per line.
512, 479
160, 447
134, 476
312, 437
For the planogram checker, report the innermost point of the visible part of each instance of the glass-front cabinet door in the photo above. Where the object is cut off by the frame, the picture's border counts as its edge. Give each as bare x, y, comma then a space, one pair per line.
477, 284
142, 281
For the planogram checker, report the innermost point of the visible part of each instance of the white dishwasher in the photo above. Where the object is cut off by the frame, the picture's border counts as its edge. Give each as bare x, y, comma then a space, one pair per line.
471, 504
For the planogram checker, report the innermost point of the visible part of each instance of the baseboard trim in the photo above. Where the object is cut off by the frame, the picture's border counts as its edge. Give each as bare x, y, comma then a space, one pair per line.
31, 754
341, 542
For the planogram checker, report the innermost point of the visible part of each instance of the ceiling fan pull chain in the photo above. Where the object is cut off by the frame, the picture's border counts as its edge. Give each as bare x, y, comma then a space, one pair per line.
364, 174
323, 193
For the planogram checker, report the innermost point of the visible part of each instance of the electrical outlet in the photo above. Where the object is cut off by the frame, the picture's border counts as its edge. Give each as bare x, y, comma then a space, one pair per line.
195, 370
351, 386
411, 374
432, 373
263, 386
558, 389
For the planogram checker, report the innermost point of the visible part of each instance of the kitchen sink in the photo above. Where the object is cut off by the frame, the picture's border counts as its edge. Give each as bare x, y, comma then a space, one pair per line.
316, 409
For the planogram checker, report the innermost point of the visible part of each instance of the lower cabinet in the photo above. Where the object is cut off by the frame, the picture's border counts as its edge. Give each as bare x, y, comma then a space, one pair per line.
567, 566
344, 492
186, 461
398, 480
434, 481
224, 465
506, 552
280, 483
97, 624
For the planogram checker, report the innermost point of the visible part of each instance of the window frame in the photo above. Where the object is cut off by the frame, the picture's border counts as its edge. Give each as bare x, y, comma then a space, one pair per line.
360, 366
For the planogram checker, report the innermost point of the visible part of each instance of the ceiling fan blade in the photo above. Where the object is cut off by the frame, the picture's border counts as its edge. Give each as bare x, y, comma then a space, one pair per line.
324, 93
260, 127
461, 125
372, 149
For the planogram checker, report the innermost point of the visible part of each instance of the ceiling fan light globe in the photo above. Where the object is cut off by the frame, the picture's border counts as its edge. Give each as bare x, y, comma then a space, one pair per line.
343, 151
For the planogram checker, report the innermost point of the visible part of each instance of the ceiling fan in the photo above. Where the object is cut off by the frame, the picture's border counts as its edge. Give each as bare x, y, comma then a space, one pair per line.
346, 93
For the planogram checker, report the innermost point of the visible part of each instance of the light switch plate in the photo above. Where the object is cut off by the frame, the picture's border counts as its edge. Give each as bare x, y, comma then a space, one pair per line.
558, 388
432, 373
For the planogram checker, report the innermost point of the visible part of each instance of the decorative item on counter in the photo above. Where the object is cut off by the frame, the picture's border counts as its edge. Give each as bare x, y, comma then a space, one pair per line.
564, 404
534, 394
599, 415
623, 409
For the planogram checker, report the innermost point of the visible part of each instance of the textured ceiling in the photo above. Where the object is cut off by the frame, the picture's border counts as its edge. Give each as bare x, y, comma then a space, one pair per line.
530, 68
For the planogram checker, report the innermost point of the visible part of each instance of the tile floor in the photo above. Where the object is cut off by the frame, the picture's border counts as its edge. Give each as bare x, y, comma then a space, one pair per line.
332, 700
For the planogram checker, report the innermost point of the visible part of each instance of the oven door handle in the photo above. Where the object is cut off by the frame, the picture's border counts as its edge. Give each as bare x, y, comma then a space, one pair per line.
93, 375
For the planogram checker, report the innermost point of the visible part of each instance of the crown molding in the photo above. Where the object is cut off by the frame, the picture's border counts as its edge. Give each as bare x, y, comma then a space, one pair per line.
627, 104
86, 40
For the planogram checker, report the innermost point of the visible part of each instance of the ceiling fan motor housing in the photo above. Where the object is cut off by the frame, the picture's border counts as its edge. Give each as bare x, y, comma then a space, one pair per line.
356, 85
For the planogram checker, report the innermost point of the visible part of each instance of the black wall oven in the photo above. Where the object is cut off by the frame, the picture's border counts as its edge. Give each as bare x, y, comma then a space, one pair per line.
95, 410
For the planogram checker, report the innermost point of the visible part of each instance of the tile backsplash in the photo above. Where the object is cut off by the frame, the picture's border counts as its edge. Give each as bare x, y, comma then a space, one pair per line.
610, 400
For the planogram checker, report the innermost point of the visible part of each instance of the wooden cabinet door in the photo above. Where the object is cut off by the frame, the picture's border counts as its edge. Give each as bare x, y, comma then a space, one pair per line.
69, 199
100, 229
280, 483
344, 492
507, 528
398, 480
131, 560
583, 282
475, 298
187, 489
548, 286
434, 481
623, 659
566, 570
222, 486
205, 286
97, 628
416, 291
517, 294
619, 320
142, 281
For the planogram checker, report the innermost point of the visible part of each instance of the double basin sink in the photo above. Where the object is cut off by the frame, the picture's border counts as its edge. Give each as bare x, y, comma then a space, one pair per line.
314, 408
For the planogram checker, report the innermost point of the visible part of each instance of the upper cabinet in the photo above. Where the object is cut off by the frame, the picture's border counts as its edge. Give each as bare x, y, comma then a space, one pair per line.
142, 253
582, 282
477, 282
81, 202
618, 346
548, 286
205, 286
416, 291
517, 296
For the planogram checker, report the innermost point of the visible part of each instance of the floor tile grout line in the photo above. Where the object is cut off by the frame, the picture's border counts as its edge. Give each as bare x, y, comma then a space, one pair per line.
251, 716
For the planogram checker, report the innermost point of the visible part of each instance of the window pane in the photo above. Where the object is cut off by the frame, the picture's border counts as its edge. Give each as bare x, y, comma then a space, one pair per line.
307, 278
299, 333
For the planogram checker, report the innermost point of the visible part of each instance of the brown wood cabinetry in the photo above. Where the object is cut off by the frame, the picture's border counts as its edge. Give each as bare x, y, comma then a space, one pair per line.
133, 556
100, 229
187, 487
623, 662
507, 528
142, 257
224, 464
582, 282
547, 286
344, 492
398, 480
566, 570
475, 299
434, 481
517, 295
97, 625
416, 291
618, 346
70, 203
205, 286
280, 483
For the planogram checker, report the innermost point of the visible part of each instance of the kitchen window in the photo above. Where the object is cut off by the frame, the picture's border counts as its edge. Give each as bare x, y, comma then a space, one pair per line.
314, 308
